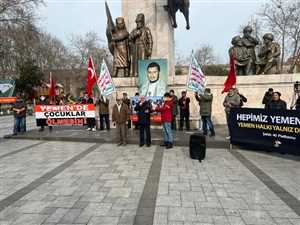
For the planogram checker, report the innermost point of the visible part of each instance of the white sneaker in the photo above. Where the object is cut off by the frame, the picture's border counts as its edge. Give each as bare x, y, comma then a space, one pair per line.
228, 138
89, 129
94, 129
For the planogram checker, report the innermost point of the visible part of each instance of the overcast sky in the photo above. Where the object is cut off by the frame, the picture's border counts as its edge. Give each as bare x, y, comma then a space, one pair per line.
213, 22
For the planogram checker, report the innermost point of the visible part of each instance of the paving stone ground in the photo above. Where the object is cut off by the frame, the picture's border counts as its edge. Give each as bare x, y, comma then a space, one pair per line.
64, 183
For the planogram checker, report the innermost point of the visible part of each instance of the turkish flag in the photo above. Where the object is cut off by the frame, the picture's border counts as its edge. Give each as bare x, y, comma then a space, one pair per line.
92, 77
231, 79
52, 90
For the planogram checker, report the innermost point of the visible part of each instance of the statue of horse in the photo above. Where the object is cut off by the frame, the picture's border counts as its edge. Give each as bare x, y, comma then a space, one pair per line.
175, 5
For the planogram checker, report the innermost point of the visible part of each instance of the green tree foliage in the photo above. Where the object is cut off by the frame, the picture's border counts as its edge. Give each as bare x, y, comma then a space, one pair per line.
215, 70
30, 77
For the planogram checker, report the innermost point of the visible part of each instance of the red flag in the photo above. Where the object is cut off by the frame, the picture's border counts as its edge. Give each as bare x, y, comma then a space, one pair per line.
52, 90
231, 79
92, 77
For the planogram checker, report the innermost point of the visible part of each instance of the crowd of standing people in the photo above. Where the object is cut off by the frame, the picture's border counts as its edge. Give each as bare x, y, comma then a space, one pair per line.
169, 109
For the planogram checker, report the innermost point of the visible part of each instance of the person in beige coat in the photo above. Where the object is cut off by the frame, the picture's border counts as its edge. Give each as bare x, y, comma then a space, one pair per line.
120, 115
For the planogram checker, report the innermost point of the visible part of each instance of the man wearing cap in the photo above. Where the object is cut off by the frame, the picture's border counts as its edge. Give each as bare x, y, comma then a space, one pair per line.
120, 115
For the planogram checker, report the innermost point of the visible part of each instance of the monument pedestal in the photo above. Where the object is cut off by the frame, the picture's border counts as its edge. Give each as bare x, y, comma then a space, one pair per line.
158, 21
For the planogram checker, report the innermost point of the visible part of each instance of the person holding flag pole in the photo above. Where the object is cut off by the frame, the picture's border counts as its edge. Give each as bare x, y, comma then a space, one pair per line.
196, 82
106, 88
232, 99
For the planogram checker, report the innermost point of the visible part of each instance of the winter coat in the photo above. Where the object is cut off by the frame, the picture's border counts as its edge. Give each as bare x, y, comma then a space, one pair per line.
103, 106
120, 117
166, 111
205, 102
234, 101
267, 98
144, 113
276, 105
184, 105
175, 106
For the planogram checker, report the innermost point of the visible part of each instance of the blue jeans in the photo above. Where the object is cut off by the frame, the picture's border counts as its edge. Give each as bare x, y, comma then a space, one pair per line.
207, 123
20, 125
168, 135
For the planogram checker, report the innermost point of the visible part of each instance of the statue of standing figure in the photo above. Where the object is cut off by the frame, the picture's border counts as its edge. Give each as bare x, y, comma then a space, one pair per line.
241, 55
127, 49
141, 43
121, 55
250, 43
269, 55
118, 43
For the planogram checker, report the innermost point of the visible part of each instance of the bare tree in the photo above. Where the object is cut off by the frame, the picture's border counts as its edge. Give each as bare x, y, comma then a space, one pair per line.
83, 46
294, 34
278, 15
256, 23
205, 55
18, 11
51, 53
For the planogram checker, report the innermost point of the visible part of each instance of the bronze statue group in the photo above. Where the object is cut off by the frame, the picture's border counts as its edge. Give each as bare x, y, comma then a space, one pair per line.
251, 57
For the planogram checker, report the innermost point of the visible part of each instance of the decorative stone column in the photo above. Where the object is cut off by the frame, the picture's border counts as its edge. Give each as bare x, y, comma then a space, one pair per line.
158, 21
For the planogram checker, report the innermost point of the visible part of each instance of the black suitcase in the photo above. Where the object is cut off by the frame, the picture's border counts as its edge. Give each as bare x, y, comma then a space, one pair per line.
197, 146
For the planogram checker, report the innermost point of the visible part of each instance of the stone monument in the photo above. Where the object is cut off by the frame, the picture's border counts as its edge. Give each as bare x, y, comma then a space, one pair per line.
157, 19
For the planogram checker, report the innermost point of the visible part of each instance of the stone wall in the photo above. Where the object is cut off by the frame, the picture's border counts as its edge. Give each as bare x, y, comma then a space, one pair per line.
253, 87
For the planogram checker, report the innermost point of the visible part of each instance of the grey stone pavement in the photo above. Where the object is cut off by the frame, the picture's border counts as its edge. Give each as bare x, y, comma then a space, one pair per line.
64, 183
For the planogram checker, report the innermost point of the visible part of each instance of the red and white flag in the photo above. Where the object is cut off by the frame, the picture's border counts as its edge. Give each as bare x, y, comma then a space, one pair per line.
52, 88
92, 77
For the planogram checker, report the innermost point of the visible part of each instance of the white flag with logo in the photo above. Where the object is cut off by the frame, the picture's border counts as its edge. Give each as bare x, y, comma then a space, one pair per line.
105, 82
196, 80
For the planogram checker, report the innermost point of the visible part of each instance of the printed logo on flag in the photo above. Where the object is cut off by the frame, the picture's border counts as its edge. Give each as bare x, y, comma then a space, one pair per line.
104, 82
196, 80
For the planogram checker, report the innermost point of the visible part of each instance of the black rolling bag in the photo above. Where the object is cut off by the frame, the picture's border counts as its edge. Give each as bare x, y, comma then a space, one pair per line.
197, 146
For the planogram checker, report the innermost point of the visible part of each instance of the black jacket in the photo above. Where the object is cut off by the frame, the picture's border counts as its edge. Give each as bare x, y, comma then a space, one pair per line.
143, 112
184, 105
243, 100
267, 98
276, 105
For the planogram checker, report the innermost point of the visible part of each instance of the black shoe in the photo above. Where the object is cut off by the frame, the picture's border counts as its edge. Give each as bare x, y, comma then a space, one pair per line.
164, 144
170, 145
141, 145
41, 129
148, 145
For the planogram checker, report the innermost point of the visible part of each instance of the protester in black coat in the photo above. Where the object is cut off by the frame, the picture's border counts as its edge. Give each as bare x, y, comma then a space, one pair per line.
268, 96
276, 103
184, 106
144, 109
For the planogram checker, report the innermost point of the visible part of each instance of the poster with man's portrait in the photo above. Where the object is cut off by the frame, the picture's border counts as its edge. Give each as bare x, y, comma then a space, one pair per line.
153, 77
